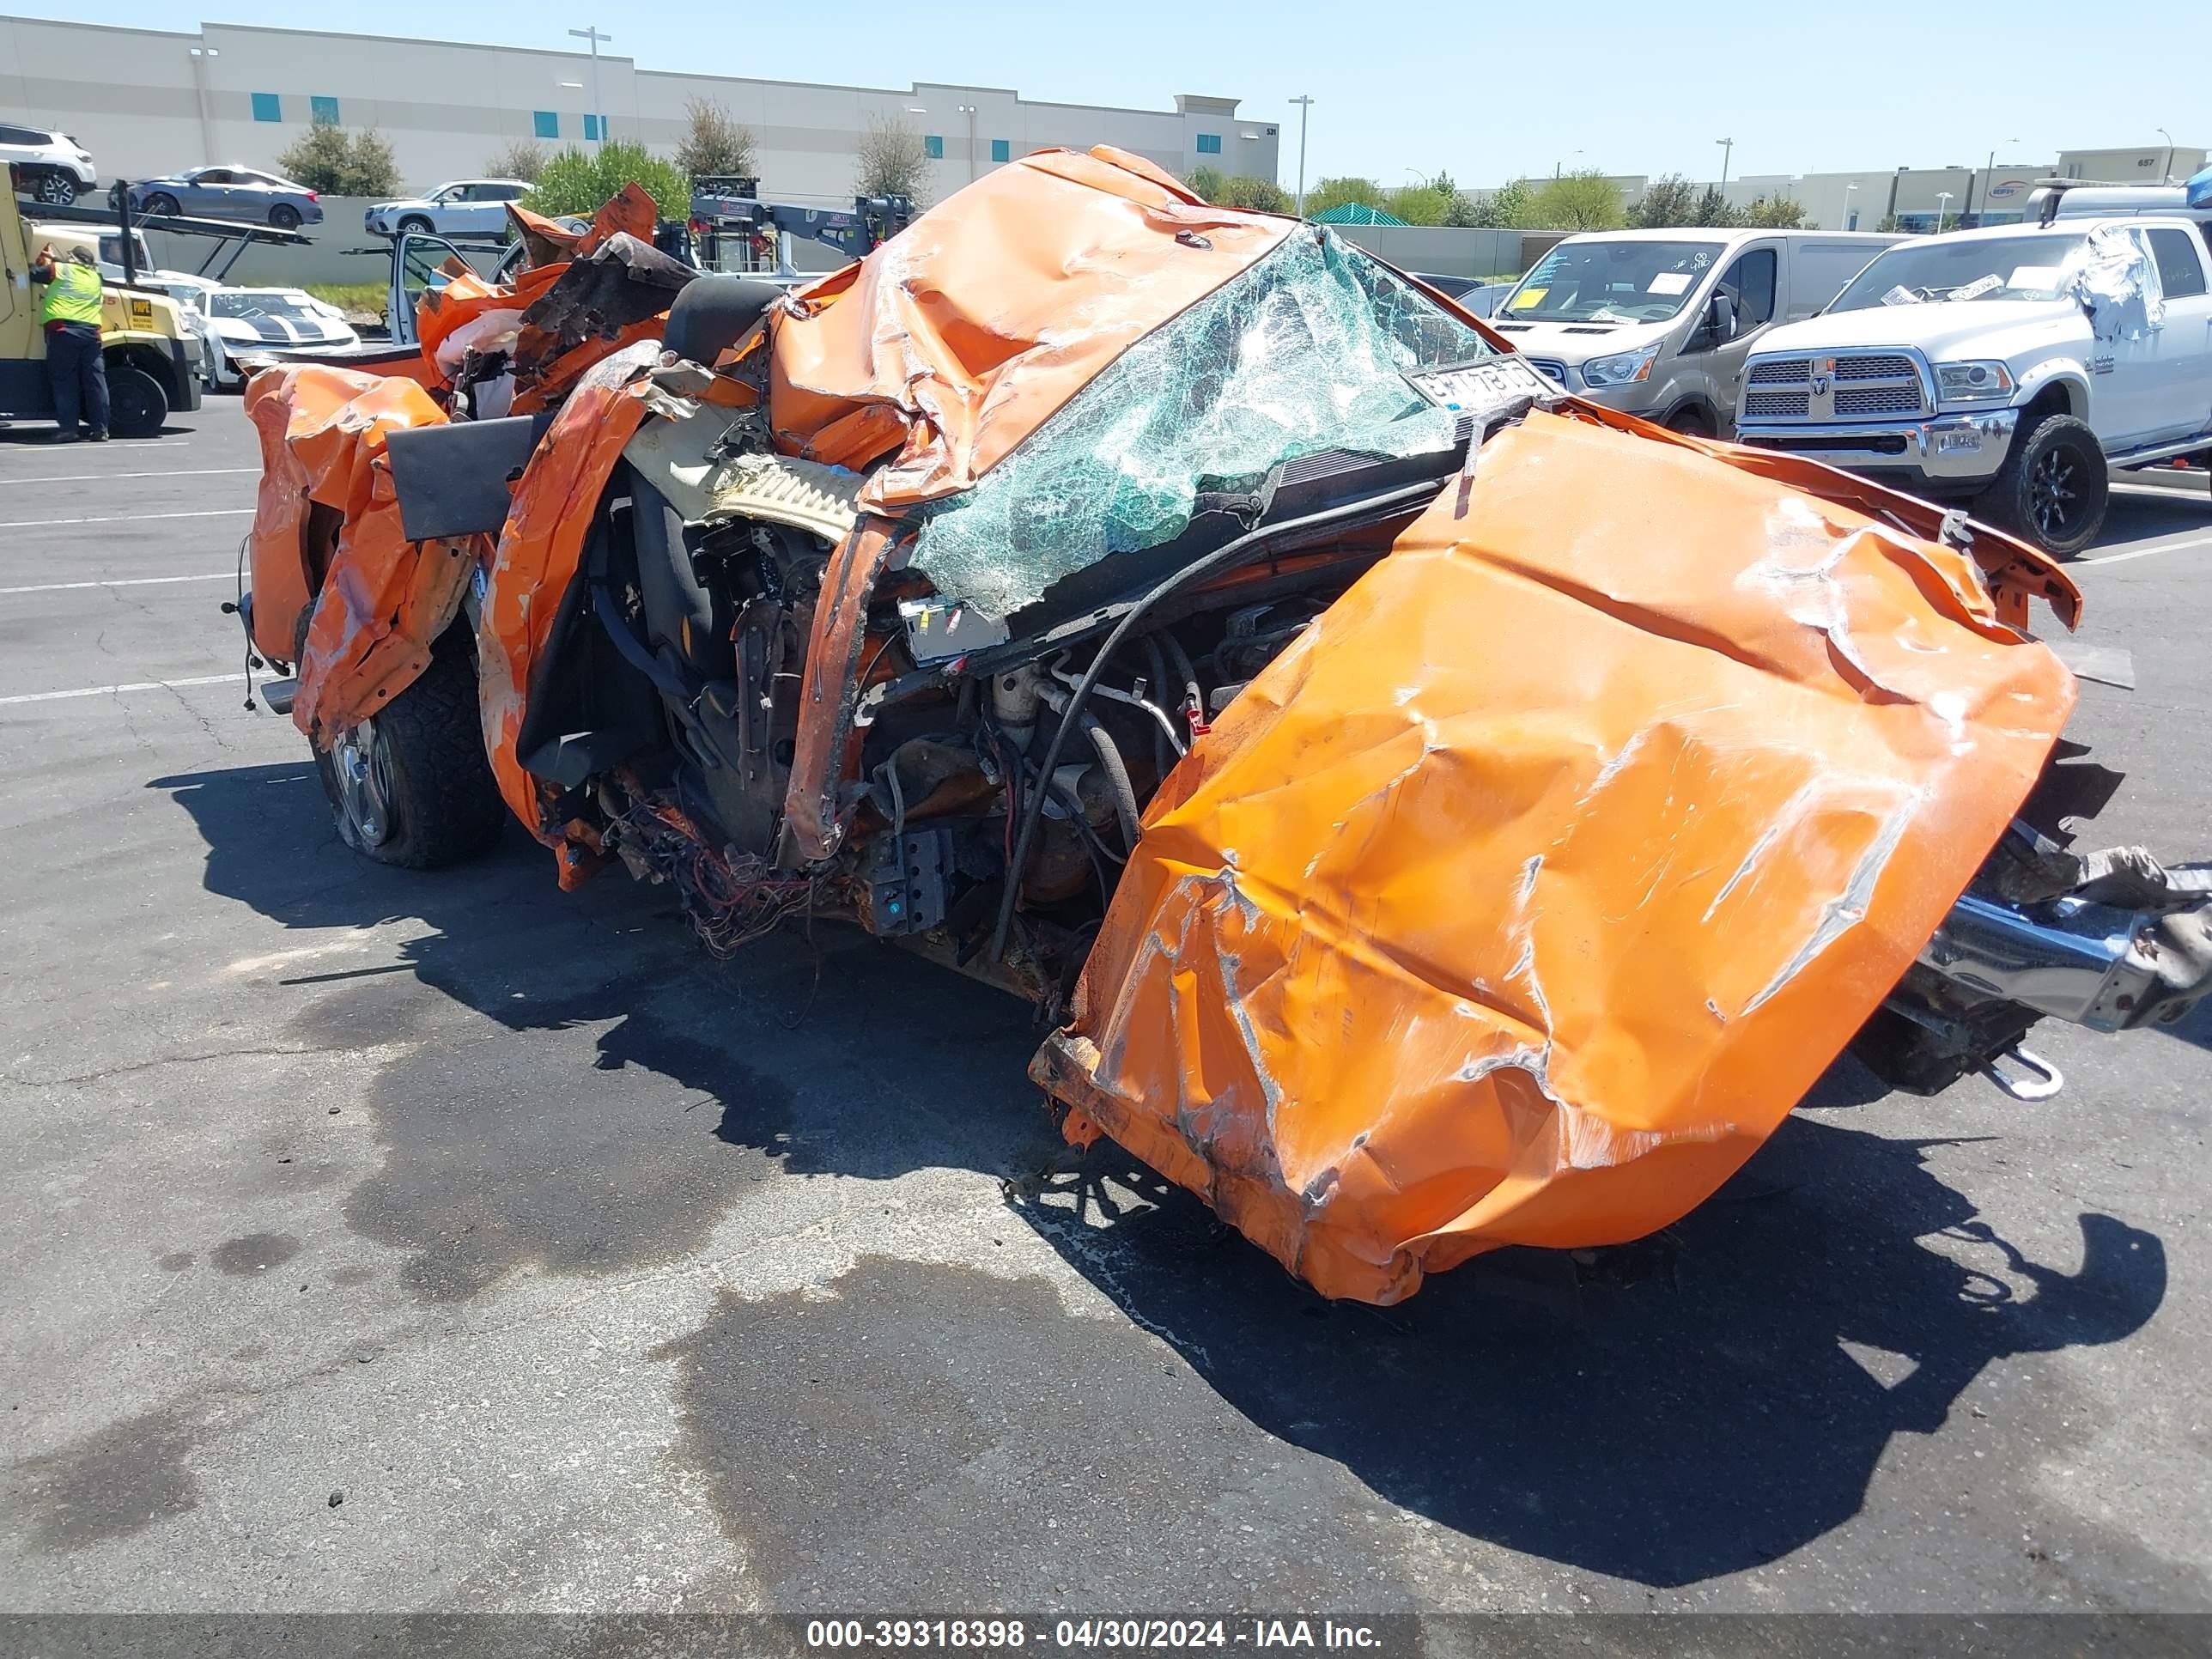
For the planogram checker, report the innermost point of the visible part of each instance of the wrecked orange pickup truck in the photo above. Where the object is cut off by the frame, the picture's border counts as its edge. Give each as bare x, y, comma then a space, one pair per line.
1435, 813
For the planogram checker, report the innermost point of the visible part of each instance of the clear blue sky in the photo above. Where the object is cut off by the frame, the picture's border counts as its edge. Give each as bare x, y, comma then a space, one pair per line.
1485, 91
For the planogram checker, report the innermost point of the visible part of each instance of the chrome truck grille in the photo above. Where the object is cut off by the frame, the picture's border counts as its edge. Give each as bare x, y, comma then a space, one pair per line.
1839, 386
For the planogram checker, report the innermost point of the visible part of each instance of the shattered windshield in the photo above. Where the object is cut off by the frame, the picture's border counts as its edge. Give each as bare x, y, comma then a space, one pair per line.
1991, 268
1302, 352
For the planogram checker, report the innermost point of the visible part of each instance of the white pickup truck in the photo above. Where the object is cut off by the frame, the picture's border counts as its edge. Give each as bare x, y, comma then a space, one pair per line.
2014, 365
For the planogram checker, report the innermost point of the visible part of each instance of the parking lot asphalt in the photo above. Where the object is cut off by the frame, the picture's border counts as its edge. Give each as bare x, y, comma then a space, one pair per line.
385, 1240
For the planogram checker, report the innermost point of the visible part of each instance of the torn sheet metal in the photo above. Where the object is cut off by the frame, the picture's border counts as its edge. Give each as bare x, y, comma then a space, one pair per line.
556, 502
613, 296
382, 599
952, 341
1522, 897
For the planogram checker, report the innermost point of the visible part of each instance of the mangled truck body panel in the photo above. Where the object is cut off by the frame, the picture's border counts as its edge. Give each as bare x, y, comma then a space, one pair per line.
1434, 814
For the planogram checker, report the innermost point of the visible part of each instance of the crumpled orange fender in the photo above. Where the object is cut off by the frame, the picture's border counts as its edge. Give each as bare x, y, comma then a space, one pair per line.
547, 523
1521, 898
381, 600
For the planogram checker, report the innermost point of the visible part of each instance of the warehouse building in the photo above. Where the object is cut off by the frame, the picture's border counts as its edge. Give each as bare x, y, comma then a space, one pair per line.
148, 101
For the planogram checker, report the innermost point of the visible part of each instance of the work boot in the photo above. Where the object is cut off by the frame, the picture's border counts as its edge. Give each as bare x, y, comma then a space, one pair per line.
65, 437
97, 435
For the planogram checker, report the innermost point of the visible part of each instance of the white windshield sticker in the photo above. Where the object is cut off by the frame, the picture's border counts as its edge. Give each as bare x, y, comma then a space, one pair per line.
1900, 296
2039, 278
1978, 287
1671, 282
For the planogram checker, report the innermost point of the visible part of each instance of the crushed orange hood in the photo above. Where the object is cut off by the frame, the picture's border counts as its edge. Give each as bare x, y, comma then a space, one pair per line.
1522, 899
954, 340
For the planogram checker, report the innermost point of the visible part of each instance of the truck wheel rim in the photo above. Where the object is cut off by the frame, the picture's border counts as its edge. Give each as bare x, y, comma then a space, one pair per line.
2052, 492
364, 795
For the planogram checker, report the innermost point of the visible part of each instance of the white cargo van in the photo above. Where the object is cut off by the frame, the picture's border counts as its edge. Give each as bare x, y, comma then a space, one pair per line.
1657, 323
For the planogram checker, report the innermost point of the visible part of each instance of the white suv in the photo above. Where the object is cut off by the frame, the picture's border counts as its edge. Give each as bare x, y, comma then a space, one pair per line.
2014, 365
52, 166
464, 208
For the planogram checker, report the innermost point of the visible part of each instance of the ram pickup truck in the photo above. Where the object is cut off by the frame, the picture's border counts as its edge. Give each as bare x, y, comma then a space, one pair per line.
2012, 366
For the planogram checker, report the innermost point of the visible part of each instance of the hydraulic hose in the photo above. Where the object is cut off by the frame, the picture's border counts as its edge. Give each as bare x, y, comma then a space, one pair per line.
1110, 762
1194, 700
1223, 556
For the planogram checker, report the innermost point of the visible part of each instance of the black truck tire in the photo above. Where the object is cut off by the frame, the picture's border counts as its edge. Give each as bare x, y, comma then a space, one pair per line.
411, 785
284, 216
137, 406
2053, 487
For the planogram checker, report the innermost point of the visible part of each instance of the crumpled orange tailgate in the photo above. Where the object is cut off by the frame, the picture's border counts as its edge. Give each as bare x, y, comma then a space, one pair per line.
384, 598
1522, 899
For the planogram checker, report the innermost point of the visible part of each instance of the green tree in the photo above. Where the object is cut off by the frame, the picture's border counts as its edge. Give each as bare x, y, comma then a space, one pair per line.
1713, 209
1259, 195
1666, 202
1462, 208
1585, 200
332, 162
1343, 192
714, 142
1419, 205
892, 160
1211, 183
1776, 212
523, 158
582, 180
1509, 207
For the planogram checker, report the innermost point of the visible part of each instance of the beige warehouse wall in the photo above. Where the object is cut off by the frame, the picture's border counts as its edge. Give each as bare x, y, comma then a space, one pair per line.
145, 105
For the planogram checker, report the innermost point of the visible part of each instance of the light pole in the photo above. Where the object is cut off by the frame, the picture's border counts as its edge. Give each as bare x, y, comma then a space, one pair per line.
599, 110
1849, 192
969, 110
2166, 172
1943, 207
1305, 105
1988, 167
1556, 166
1727, 150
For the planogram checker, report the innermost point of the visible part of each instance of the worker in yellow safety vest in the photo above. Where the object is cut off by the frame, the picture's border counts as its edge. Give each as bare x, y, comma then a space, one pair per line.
70, 312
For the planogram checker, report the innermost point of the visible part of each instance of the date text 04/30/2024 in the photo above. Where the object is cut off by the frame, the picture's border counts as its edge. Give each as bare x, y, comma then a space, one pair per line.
1108, 1633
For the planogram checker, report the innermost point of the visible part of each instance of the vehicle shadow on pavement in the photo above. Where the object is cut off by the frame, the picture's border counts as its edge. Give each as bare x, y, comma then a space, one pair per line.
569, 1153
1663, 1411
1693, 1405
2161, 510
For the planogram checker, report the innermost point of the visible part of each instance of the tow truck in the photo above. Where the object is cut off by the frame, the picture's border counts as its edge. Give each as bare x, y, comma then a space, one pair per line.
153, 355
734, 231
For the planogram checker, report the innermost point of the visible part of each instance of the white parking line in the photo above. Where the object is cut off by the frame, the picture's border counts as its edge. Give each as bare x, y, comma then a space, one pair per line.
118, 443
102, 477
124, 581
232, 678
128, 518
2176, 544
